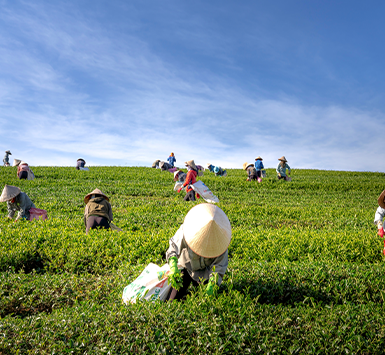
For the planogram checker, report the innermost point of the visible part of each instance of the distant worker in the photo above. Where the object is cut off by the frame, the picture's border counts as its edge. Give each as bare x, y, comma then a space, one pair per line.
24, 172
217, 170
171, 159
155, 164
98, 211
164, 166
191, 178
251, 171
281, 168
258, 166
80, 164
180, 176
6, 157
200, 247
17, 201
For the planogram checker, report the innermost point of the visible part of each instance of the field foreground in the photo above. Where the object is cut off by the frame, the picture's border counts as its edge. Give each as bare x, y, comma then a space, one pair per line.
306, 270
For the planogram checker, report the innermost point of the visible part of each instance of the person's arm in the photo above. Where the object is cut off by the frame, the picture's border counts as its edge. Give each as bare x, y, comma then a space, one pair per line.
220, 263
23, 206
288, 167
379, 215
11, 211
188, 178
175, 243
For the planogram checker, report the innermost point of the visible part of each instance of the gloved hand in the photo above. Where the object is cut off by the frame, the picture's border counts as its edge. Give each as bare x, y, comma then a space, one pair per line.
381, 232
210, 286
198, 196
279, 174
180, 189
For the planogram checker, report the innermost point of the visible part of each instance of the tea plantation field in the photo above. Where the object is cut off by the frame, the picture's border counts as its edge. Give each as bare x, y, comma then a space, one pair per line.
306, 271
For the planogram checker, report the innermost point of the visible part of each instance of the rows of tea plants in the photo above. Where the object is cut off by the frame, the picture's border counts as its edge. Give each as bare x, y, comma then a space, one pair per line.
305, 266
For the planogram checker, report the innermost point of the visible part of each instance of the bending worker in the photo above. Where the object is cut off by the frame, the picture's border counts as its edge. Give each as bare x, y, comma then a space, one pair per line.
17, 201
6, 157
281, 168
251, 171
171, 159
98, 211
191, 178
258, 166
199, 246
24, 171
80, 163
217, 170
379, 216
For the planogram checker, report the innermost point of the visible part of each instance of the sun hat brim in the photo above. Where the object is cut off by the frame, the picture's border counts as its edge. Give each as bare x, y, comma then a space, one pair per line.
95, 192
9, 192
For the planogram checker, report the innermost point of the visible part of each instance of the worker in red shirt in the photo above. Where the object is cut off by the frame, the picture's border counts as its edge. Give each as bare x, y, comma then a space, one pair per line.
191, 178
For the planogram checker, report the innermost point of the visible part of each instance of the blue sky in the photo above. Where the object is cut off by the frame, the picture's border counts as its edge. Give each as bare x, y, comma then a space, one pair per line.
126, 82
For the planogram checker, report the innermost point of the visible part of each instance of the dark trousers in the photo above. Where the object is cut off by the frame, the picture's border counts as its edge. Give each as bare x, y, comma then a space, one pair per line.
178, 295
190, 196
97, 222
281, 177
23, 175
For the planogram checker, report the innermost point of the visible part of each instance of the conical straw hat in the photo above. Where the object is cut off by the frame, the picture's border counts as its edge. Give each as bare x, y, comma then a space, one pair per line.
258, 158
282, 158
95, 192
191, 163
176, 173
246, 165
9, 192
16, 162
9, 152
381, 199
207, 230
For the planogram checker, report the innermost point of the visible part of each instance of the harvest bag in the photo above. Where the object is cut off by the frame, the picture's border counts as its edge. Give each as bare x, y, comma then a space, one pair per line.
150, 285
205, 192
37, 213
84, 169
263, 173
288, 178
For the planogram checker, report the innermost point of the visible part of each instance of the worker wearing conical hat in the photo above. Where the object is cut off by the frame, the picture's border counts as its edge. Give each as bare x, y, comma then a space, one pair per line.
180, 176
259, 166
281, 169
6, 157
17, 201
80, 163
379, 216
24, 171
98, 211
191, 178
198, 247
171, 159
251, 171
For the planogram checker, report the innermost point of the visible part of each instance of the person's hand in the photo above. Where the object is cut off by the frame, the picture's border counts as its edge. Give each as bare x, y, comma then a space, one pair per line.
381, 232
180, 189
175, 276
198, 196
173, 263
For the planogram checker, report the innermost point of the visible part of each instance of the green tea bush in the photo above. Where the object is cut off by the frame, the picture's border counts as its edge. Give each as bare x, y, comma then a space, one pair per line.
305, 266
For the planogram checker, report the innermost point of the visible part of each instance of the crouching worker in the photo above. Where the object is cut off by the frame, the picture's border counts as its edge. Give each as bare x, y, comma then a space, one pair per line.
379, 216
251, 171
180, 176
199, 246
98, 211
191, 179
17, 201
217, 170
24, 171
80, 163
